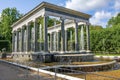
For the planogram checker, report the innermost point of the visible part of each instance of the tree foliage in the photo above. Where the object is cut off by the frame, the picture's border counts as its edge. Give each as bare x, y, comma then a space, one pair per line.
8, 17
52, 22
114, 21
107, 39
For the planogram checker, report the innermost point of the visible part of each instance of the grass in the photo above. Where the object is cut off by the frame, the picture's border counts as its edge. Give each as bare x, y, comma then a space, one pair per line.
106, 54
93, 76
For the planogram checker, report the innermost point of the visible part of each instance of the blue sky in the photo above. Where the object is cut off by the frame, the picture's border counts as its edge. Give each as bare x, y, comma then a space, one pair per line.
101, 10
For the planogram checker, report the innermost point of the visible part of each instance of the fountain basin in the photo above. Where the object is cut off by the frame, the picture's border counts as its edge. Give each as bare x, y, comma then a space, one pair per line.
85, 68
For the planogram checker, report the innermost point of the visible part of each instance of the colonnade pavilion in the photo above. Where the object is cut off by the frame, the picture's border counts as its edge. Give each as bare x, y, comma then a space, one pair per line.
31, 34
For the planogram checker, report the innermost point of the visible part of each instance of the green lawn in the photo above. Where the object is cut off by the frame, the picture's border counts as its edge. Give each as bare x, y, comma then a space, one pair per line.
105, 75
107, 54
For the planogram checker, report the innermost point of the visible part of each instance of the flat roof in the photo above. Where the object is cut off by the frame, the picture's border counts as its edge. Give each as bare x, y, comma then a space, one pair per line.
53, 7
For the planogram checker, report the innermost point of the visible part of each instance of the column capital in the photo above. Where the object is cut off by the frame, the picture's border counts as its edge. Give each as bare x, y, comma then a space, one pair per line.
76, 21
29, 23
83, 25
58, 31
23, 27
45, 15
87, 23
33, 20
19, 29
62, 18
65, 29
14, 31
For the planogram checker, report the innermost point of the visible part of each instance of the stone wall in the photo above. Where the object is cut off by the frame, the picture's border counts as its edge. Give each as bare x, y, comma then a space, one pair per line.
35, 57
54, 57
74, 57
86, 68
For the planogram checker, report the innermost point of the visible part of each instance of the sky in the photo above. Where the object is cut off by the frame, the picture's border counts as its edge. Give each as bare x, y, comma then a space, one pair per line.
101, 10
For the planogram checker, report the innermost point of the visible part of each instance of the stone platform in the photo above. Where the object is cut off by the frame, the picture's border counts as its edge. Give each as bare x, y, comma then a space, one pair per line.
73, 57
41, 57
52, 57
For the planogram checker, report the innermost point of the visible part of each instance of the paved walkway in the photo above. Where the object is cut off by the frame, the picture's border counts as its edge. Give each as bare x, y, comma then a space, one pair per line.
10, 72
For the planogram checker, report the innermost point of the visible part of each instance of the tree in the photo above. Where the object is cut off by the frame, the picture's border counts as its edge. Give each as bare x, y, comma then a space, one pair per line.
8, 17
51, 22
95, 27
114, 21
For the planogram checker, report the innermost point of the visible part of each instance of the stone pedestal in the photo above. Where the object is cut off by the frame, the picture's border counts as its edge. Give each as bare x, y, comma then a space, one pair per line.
3, 55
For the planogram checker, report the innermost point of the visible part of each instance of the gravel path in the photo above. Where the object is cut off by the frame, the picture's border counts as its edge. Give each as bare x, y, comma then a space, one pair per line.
11, 72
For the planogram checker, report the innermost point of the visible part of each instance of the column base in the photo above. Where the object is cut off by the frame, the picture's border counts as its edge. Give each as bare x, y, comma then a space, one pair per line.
83, 51
62, 52
88, 51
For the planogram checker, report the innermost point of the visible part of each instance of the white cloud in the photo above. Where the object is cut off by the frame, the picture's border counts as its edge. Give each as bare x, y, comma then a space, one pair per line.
101, 10
86, 5
117, 5
101, 18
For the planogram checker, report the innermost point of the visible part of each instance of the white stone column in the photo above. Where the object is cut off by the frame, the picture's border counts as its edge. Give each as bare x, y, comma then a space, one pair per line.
40, 35
54, 41
71, 47
88, 37
13, 42
28, 37
22, 39
45, 34
25, 39
32, 37
66, 40
58, 41
82, 37
51, 41
48, 42
17, 35
76, 36
35, 36
62, 36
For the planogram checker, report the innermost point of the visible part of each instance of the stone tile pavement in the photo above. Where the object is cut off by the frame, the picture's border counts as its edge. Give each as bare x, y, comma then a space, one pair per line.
11, 72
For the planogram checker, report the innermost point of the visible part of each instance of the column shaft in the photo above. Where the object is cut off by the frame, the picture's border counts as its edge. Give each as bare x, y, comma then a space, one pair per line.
62, 36
17, 34
51, 41
45, 34
25, 40
58, 41
13, 42
54, 40
88, 37
65, 40
35, 36
82, 37
76, 37
48, 42
40, 32
22, 39
28, 38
